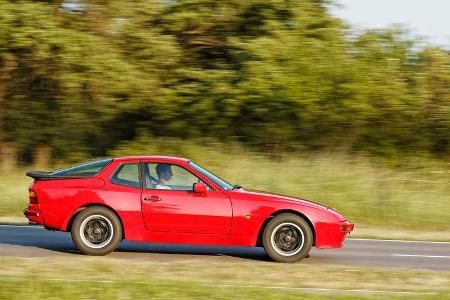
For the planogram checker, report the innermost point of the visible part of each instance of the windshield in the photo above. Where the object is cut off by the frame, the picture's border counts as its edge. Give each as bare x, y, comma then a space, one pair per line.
91, 168
223, 184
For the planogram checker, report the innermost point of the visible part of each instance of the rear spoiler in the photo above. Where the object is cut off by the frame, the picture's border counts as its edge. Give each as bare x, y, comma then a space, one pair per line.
40, 175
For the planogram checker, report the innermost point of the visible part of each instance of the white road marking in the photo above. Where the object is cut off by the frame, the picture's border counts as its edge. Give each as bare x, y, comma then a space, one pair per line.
401, 241
22, 226
421, 255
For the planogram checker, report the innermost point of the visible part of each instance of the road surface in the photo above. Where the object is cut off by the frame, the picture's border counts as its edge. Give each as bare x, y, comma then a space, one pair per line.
35, 241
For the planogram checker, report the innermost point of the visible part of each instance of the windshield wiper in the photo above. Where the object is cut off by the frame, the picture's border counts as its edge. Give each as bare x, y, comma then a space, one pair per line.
236, 187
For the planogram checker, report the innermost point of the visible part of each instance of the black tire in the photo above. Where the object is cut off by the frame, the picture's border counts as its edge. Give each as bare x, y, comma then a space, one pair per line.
287, 238
96, 231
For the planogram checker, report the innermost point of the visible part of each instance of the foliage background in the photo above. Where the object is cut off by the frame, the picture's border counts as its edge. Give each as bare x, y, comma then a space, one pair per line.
276, 76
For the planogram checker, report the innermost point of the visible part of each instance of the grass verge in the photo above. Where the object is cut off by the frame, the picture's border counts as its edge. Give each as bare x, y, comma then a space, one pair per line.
104, 278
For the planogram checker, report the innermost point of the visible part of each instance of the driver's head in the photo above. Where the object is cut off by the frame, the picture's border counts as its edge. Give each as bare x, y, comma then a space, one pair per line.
164, 171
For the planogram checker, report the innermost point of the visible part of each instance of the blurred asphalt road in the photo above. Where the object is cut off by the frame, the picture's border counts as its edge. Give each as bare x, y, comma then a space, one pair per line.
35, 241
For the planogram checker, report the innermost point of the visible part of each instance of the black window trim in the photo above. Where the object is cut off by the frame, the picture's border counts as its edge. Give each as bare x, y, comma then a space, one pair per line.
119, 168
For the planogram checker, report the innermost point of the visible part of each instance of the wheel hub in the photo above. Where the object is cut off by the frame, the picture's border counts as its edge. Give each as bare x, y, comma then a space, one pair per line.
287, 239
96, 231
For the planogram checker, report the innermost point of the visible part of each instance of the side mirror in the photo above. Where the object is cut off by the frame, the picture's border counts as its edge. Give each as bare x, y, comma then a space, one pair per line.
199, 187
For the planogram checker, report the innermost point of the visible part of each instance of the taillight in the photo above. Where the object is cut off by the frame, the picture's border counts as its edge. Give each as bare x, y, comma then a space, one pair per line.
33, 197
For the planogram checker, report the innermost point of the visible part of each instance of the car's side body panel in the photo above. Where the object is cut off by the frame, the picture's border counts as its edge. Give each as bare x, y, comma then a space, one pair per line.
60, 200
217, 217
187, 212
252, 209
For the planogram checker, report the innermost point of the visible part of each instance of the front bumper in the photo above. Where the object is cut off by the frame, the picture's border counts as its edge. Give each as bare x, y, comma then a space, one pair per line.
332, 235
34, 215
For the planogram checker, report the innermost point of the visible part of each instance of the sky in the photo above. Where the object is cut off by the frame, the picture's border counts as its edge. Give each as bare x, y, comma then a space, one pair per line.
425, 18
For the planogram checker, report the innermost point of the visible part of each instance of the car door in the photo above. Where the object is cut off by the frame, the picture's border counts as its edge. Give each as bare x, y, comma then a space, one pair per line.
171, 205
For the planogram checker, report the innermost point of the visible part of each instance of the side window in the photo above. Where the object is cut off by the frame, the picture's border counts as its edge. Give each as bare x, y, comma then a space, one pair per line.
169, 177
127, 174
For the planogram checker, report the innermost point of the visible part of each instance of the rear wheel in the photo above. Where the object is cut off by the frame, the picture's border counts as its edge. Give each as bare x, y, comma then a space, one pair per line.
96, 231
287, 238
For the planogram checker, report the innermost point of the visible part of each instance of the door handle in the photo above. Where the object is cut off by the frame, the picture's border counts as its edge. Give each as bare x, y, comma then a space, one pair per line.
152, 198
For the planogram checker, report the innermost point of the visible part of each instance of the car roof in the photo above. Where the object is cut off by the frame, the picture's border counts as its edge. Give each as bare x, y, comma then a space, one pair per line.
152, 158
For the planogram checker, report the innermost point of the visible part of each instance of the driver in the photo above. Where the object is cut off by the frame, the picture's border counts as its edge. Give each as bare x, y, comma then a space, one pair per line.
164, 172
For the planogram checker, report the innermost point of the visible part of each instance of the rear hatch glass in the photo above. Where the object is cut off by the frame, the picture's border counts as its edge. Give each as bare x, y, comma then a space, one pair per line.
84, 170
91, 168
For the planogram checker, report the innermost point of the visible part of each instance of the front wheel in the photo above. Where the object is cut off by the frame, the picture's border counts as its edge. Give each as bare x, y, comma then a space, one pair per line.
96, 231
287, 238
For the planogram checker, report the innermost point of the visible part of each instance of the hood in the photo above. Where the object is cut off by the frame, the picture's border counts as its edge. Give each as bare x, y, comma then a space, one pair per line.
272, 197
283, 198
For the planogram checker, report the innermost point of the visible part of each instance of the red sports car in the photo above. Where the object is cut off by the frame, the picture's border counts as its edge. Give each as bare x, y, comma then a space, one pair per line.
173, 200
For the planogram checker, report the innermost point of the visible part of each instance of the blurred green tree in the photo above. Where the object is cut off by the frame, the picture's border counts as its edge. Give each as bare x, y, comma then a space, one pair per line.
275, 75
432, 76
